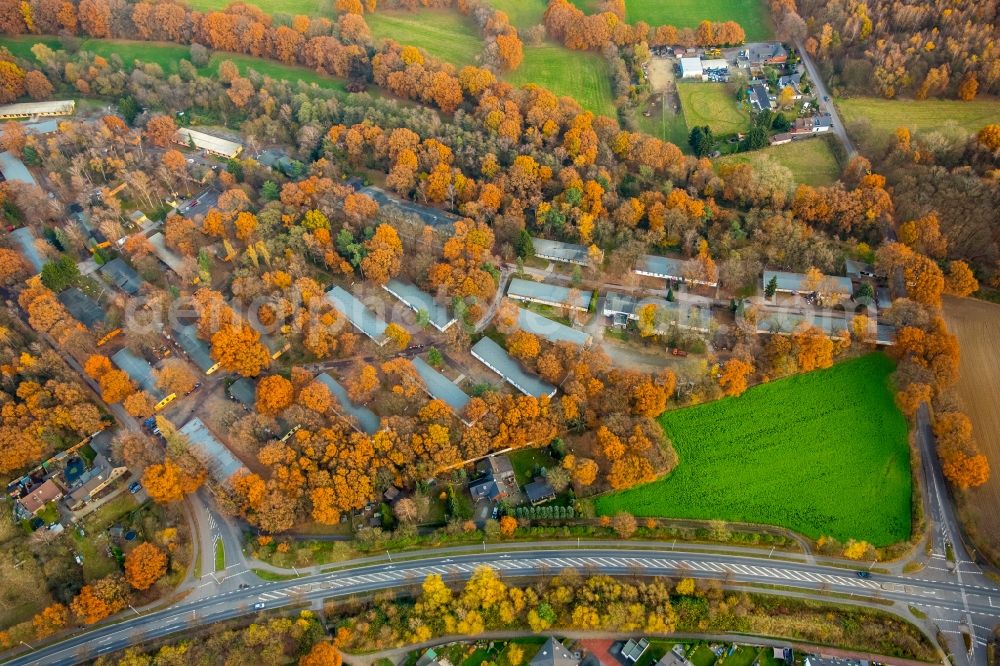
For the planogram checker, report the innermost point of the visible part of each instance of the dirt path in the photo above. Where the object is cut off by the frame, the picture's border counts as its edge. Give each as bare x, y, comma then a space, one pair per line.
977, 325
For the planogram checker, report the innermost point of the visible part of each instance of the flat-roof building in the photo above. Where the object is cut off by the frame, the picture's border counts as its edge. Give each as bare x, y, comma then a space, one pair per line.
37, 109
358, 314
139, 370
243, 391
494, 357
122, 276
553, 331
367, 421
440, 387
622, 308
549, 294
792, 283
172, 260
217, 458
196, 349
567, 253
417, 299
13, 170
666, 268
209, 143
691, 68
859, 270
25, 239
83, 308
430, 216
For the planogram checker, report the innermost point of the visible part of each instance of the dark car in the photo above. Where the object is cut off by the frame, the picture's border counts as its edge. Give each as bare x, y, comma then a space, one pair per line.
134, 487
863, 574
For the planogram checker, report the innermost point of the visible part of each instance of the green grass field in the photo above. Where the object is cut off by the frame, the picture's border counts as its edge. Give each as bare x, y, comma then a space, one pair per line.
442, 33
824, 453
220, 555
293, 7
522, 13
666, 126
168, 55
888, 114
577, 74
751, 14
811, 161
711, 104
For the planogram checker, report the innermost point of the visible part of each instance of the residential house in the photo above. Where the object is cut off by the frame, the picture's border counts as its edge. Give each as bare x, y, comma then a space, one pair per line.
813, 124
96, 479
667, 268
212, 453
498, 480
760, 98
553, 331
554, 653
196, 349
358, 314
633, 649
83, 308
243, 391
539, 490
441, 388
567, 253
367, 421
13, 170
26, 242
549, 294
39, 496
794, 81
122, 276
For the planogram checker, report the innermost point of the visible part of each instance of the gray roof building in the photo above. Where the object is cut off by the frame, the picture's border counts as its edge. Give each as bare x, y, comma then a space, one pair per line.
173, 260
139, 371
83, 308
633, 649
243, 391
196, 349
666, 268
25, 239
440, 387
859, 270
358, 314
553, 331
417, 299
623, 307
548, 294
122, 276
218, 459
498, 479
429, 216
553, 653
367, 420
13, 169
780, 322
792, 282
759, 97
539, 490
499, 361
567, 253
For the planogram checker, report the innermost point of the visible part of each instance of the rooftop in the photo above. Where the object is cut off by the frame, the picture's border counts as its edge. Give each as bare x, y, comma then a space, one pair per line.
13, 169
792, 282
367, 420
83, 308
197, 349
25, 239
418, 300
667, 268
27, 109
553, 331
139, 371
212, 144
173, 260
539, 490
553, 653
219, 460
429, 216
569, 253
550, 294
500, 362
858, 269
360, 316
40, 496
440, 387
243, 391
122, 276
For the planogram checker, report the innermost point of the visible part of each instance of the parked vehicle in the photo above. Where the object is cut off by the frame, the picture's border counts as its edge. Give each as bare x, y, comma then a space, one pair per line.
677, 351
134, 487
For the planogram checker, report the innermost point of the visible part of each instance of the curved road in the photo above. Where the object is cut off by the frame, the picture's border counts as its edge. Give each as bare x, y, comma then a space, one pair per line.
945, 597
824, 100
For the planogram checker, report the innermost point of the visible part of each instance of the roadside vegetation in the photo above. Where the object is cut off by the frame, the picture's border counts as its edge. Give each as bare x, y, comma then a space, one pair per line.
824, 454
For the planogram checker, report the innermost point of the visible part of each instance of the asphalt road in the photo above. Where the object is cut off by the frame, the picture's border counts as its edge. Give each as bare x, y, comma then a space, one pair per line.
825, 101
945, 596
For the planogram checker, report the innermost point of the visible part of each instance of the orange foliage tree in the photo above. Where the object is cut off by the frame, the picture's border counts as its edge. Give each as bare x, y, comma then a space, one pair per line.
167, 483
237, 348
385, 253
274, 395
734, 376
144, 565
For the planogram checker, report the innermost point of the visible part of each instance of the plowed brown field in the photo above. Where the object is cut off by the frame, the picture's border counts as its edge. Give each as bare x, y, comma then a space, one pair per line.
977, 325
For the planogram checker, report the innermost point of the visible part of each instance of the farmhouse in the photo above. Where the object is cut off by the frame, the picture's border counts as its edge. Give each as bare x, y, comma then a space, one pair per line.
358, 314
553, 331
37, 109
417, 299
366, 420
793, 81
12, 169
549, 294
793, 283
781, 139
172, 260
567, 253
666, 268
494, 357
210, 144
216, 457
25, 239
139, 371
92, 482
122, 276
767, 54
440, 387
195, 348
83, 308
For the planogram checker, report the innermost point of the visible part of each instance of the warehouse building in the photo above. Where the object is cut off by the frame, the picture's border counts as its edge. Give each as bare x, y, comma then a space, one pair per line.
37, 109
196, 349
666, 268
549, 294
358, 314
122, 276
213, 454
567, 253
553, 331
210, 144
363, 418
13, 170
441, 388
173, 260
83, 308
494, 357
416, 299
793, 283
25, 239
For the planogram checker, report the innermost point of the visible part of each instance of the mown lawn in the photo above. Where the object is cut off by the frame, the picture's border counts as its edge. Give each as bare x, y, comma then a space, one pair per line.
824, 453
293, 7
442, 33
811, 161
577, 74
888, 114
712, 104
751, 14
522, 13
666, 126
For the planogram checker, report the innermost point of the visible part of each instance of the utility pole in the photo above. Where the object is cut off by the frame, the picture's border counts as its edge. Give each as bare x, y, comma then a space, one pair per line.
388, 555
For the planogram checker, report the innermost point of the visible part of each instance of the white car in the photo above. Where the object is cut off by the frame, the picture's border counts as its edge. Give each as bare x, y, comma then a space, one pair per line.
258, 605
